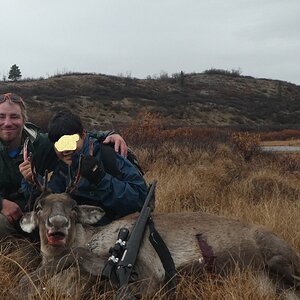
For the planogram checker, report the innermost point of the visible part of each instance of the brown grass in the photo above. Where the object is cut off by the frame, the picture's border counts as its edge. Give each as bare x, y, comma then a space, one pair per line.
215, 178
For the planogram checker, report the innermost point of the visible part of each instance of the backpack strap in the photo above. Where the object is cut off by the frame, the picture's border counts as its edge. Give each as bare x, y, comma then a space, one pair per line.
111, 166
133, 159
109, 160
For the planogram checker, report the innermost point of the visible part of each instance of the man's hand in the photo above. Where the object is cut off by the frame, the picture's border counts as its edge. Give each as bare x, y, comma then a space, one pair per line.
26, 171
119, 143
11, 210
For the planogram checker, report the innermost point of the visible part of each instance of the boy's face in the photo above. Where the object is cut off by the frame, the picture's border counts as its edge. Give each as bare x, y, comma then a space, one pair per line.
66, 155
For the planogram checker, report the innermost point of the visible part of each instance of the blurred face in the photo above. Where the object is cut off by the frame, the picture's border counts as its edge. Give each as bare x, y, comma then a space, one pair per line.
66, 156
11, 124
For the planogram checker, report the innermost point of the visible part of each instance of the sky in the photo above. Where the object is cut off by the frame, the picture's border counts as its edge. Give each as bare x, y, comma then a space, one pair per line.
138, 38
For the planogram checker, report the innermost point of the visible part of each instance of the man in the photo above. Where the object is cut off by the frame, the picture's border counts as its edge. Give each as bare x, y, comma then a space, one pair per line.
13, 132
117, 186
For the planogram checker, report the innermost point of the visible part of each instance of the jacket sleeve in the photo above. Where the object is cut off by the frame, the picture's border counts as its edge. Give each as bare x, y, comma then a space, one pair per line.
120, 195
102, 135
124, 194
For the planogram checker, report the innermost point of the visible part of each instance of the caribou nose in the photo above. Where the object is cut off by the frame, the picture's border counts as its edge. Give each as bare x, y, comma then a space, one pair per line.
58, 221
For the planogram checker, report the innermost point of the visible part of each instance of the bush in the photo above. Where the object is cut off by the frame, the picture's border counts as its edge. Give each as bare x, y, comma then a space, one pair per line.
246, 143
233, 72
150, 129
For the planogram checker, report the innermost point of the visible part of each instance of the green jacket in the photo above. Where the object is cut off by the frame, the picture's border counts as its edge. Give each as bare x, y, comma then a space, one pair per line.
44, 157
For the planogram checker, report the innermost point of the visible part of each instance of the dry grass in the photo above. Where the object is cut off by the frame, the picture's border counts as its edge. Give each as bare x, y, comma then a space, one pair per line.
263, 190
17, 258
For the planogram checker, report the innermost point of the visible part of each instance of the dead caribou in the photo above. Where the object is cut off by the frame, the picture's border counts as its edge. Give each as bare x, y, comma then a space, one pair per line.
198, 241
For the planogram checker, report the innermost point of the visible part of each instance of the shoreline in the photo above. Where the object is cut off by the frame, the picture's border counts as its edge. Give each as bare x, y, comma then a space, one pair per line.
295, 142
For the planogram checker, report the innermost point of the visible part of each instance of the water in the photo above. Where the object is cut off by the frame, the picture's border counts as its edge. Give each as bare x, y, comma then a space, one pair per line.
280, 148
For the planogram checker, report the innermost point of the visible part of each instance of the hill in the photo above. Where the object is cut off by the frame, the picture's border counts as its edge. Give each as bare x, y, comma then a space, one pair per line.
198, 99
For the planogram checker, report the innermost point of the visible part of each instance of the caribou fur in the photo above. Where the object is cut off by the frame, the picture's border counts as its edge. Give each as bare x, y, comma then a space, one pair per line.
62, 229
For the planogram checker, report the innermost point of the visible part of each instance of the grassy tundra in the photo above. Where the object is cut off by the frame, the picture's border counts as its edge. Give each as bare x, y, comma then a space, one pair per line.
215, 172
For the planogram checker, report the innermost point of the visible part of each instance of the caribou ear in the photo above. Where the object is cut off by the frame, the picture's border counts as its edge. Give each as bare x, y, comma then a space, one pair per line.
89, 215
29, 222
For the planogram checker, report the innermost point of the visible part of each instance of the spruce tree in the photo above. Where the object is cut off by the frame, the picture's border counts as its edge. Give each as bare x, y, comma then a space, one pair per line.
14, 73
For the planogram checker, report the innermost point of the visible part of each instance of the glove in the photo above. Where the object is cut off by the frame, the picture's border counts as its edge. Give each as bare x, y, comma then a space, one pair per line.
91, 169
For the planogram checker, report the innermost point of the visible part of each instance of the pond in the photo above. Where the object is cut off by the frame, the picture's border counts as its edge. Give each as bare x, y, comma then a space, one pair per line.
280, 148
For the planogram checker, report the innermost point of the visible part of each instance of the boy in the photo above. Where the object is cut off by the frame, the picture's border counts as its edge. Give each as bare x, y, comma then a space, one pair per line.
119, 193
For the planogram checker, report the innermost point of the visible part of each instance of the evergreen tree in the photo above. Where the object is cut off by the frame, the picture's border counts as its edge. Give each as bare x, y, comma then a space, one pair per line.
14, 73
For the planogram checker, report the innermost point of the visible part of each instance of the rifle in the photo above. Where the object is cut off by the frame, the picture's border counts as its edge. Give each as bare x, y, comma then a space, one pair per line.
125, 265
108, 272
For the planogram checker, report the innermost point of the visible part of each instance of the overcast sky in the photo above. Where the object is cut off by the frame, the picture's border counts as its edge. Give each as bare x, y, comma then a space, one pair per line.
140, 38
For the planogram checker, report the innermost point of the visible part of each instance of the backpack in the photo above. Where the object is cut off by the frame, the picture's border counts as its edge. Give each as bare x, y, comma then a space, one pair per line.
109, 157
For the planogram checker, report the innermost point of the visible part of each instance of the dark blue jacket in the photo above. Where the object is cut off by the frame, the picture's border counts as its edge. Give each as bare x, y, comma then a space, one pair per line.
118, 196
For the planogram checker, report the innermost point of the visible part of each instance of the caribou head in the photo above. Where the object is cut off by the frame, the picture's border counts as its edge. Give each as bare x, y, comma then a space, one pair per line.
59, 219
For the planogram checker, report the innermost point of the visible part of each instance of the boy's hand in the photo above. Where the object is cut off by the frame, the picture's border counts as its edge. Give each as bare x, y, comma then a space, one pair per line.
91, 169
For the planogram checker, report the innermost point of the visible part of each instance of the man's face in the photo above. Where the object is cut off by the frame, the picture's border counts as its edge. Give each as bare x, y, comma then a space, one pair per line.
11, 123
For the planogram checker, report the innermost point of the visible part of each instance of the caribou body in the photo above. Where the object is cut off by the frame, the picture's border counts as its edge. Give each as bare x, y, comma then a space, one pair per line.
228, 243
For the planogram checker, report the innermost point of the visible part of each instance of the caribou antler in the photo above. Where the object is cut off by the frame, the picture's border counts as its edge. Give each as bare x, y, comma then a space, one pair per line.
26, 157
45, 183
38, 185
34, 175
91, 147
29, 157
25, 149
74, 183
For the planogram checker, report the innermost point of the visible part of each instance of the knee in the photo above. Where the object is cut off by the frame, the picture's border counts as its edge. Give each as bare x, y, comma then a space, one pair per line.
6, 229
